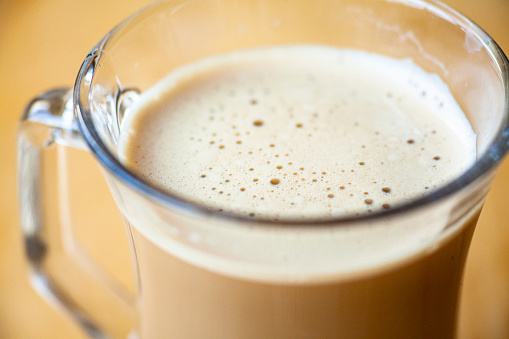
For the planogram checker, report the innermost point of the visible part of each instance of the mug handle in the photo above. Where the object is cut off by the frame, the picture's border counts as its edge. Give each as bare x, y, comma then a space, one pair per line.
49, 120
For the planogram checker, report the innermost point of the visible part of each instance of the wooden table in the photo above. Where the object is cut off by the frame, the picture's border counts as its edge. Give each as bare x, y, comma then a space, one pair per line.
42, 44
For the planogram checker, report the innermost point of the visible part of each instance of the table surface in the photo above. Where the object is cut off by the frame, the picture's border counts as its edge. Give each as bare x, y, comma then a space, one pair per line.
42, 44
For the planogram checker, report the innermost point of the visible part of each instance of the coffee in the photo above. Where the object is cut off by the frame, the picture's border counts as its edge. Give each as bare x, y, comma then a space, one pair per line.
299, 133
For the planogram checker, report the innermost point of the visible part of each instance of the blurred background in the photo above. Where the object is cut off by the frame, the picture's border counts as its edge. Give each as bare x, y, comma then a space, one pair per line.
42, 45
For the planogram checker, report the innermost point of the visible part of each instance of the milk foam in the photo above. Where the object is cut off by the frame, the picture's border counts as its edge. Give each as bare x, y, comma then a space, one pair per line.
298, 132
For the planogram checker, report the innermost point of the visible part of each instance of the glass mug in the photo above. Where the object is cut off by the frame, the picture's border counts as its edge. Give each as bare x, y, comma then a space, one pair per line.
200, 274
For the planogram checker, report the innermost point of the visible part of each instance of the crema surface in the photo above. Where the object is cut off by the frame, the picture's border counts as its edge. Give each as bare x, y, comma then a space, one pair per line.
298, 132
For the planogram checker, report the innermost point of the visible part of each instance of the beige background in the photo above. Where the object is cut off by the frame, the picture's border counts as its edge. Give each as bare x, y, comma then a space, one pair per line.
42, 44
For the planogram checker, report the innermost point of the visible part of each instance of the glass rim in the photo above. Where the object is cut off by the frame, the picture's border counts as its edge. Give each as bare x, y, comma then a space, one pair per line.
488, 161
